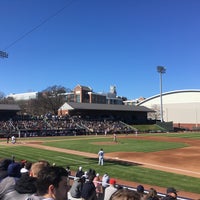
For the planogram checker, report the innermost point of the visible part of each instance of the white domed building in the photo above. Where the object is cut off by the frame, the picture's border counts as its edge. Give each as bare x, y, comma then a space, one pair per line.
182, 107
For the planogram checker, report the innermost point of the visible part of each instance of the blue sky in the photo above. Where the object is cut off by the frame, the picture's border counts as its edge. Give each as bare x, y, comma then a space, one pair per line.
99, 43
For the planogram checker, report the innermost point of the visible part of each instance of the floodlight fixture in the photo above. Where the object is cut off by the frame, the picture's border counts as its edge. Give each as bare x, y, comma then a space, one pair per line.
3, 54
161, 70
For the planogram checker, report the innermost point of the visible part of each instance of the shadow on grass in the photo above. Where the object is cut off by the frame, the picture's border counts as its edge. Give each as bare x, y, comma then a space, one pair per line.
115, 162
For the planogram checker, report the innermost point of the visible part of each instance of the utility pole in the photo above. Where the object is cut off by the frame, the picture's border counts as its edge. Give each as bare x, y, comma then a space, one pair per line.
161, 70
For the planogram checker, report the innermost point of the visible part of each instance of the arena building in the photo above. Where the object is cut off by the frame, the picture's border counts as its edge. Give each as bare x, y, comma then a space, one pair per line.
182, 107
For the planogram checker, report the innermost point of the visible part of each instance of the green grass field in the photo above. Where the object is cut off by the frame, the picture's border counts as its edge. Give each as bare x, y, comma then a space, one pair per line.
120, 170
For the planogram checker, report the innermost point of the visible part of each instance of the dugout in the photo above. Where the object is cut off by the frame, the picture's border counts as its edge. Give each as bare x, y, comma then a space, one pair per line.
128, 114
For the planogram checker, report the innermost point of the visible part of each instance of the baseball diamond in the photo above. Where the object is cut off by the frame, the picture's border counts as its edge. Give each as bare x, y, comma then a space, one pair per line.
175, 161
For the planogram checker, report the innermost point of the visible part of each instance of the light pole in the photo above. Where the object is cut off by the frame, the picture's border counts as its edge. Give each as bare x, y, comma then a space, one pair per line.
161, 70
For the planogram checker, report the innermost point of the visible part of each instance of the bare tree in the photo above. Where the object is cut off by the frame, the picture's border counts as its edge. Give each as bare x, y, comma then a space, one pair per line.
154, 115
50, 99
1, 96
6, 100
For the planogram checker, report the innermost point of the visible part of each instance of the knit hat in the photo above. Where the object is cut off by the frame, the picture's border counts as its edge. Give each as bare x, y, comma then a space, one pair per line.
14, 170
171, 190
140, 188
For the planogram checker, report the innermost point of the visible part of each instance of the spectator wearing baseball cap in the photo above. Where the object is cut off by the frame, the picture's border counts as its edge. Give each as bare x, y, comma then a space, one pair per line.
8, 183
79, 172
140, 191
14, 170
110, 189
171, 194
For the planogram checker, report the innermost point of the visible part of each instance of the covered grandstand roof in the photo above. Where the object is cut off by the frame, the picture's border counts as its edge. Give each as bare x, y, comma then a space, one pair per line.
9, 107
109, 107
8, 111
125, 113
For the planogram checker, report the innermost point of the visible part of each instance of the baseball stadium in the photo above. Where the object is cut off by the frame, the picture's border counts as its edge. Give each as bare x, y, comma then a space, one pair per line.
58, 143
155, 160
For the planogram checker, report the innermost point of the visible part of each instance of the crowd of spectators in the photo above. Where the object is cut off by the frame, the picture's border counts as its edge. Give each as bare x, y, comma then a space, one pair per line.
58, 125
23, 180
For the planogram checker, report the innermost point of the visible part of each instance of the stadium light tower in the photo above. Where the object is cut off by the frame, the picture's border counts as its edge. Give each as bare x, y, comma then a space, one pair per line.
3, 54
161, 70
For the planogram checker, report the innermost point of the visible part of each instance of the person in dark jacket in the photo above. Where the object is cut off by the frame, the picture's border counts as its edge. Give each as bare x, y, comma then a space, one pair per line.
89, 190
171, 194
79, 172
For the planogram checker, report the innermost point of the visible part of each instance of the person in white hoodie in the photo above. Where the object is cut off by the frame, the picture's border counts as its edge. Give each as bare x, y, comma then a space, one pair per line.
105, 182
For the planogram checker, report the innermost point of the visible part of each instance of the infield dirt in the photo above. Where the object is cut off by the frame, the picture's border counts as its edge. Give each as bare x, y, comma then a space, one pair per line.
184, 161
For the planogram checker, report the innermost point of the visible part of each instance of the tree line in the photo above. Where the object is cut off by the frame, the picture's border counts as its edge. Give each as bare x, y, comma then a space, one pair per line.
49, 100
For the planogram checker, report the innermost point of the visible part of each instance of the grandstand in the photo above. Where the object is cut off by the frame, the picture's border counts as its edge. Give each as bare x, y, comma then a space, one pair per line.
61, 126
75, 119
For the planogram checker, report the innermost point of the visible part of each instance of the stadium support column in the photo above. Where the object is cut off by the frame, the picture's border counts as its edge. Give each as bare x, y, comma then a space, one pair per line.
161, 70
